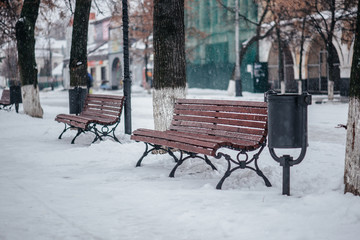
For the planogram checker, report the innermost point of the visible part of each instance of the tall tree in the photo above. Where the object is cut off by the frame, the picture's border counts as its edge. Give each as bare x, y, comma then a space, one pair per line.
25, 36
281, 21
352, 156
326, 18
9, 67
261, 31
142, 21
78, 52
9, 14
169, 60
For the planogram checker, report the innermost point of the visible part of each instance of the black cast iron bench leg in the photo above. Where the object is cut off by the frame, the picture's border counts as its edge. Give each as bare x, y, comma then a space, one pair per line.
65, 129
154, 147
78, 133
96, 132
191, 155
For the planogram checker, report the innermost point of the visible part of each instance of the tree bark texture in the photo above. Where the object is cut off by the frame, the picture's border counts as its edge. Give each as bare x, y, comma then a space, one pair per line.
25, 36
163, 102
301, 86
352, 156
78, 52
31, 101
169, 61
281, 73
331, 49
330, 62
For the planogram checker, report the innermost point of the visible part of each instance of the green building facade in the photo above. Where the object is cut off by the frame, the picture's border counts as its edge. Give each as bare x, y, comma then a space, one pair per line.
210, 43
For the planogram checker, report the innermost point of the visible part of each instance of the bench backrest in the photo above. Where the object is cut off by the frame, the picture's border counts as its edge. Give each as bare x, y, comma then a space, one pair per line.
235, 120
103, 106
5, 97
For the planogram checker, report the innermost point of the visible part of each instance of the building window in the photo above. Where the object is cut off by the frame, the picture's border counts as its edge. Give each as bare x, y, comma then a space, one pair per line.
218, 52
93, 72
273, 69
103, 73
318, 69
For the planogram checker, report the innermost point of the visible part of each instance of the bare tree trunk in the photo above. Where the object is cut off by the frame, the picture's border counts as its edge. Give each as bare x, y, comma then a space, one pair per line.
330, 63
169, 60
280, 60
163, 102
352, 156
146, 58
302, 86
330, 49
78, 54
25, 28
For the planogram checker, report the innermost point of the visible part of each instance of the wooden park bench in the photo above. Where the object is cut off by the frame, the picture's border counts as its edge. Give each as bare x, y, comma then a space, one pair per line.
10, 97
5, 99
99, 110
202, 128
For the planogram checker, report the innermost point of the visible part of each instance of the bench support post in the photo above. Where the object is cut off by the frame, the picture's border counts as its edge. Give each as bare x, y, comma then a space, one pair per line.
286, 175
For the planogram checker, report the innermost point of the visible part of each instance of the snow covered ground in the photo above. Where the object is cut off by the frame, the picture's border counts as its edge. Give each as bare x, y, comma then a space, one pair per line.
51, 189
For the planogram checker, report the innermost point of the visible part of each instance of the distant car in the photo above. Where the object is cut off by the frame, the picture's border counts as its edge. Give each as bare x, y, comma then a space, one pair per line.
105, 86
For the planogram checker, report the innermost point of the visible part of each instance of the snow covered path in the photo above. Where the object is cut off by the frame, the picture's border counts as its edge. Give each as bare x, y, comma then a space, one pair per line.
51, 189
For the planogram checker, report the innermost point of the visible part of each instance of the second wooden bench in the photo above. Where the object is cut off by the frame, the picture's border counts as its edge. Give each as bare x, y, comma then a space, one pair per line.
99, 110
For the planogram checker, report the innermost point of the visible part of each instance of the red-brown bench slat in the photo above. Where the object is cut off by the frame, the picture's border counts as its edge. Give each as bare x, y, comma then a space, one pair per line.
222, 102
209, 126
221, 121
221, 133
102, 104
83, 119
175, 138
103, 107
100, 113
221, 141
238, 109
175, 145
240, 141
102, 120
218, 114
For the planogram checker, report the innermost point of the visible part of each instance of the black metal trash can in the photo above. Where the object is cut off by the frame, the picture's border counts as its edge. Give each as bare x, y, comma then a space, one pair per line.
15, 94
287, 121
77, 99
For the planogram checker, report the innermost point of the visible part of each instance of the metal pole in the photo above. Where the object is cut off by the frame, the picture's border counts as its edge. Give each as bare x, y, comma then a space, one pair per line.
238, 90
286, 178
285, 162
127, 79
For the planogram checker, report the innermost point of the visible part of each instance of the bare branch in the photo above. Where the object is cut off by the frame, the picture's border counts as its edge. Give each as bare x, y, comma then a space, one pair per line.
241, 16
